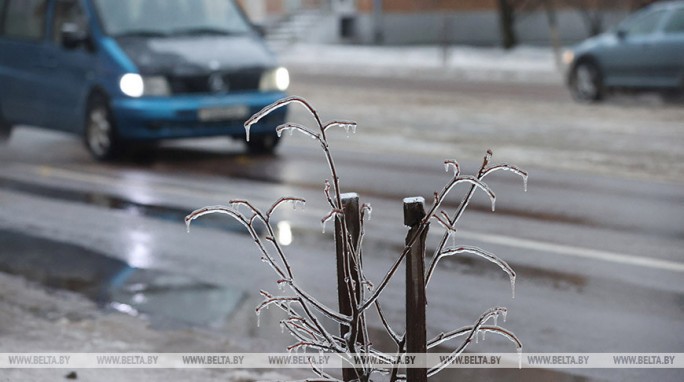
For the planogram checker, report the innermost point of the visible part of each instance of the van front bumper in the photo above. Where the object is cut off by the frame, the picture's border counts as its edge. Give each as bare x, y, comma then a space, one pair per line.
153, 118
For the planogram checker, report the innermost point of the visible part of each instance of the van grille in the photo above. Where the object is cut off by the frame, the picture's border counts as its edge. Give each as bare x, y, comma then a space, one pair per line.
246, 80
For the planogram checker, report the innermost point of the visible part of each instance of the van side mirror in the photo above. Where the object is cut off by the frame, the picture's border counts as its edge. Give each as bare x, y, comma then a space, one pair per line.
73, 36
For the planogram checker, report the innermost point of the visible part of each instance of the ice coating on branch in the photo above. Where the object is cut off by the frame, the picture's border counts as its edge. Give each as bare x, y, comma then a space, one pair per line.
452, 164
475, 251
346, 125
367, 210
303, 323
514, 169
329, 217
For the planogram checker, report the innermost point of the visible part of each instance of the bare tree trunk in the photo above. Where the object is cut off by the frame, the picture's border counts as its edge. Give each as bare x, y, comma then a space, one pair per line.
509, 38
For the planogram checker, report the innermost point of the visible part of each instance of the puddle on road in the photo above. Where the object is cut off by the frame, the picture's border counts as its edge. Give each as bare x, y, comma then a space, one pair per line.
171, 301
167, 300
172, 214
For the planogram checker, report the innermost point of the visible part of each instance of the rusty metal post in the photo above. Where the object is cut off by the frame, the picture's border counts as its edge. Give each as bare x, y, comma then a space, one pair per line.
352, 217
416, 334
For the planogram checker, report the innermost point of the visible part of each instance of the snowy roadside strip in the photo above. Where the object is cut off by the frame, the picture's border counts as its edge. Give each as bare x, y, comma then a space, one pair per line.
336, 361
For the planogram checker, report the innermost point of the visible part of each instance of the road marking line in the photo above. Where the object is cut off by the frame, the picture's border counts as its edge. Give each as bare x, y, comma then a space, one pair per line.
510, 241
569, 250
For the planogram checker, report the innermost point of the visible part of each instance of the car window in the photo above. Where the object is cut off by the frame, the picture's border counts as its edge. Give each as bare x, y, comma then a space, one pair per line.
67, 11
25, 19
644, 24
676, 22
169, 17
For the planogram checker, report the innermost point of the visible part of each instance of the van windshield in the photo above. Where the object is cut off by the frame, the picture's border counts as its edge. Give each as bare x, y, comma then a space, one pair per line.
159, 18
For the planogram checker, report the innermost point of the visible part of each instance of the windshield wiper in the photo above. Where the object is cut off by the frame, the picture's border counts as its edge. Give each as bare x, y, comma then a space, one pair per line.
203, 31
142, 33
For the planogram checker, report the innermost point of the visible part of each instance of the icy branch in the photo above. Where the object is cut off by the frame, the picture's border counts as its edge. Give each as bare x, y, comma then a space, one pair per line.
475, 251
491, 313
278, 104
508, 167
466, 179
449, 163
281, 201
296, 127
346, 125
444, 337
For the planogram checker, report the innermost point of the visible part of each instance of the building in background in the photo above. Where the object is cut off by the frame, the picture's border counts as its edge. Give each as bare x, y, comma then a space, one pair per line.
466, 22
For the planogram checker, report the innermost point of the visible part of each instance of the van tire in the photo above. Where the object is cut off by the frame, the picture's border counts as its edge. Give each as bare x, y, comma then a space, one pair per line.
100, 135
263, 144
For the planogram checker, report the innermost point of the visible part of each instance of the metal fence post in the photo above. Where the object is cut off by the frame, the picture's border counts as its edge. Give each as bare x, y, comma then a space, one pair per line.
416, 336
352, 217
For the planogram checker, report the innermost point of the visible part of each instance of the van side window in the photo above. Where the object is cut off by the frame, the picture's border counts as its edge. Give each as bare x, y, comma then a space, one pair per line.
676, 22
67, 12
25, 19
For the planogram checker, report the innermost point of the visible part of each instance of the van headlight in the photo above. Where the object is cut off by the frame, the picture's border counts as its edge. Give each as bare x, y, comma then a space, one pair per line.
277, 79
135, 85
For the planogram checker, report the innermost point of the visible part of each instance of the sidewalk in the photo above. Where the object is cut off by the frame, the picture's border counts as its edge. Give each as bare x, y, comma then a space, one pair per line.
35, 319
522, 64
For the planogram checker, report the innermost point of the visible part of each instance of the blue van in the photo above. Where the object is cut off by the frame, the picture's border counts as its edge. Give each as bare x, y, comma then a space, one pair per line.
123, 71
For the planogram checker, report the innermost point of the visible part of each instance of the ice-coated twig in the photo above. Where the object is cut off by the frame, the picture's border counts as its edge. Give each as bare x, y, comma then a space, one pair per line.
273, 300
296, 127
475, 251
282, 201
449, 163
312, 321
444, 222
330, 215
422, 226
444, 337
466, 179
321, 374
508, 167
278, 104
397, 339
493, 312
346, 125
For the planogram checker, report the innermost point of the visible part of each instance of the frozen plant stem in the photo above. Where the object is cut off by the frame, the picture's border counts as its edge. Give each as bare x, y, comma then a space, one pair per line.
357, 294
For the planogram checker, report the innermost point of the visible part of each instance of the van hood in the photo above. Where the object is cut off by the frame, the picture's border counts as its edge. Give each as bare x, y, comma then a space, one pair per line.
193, 55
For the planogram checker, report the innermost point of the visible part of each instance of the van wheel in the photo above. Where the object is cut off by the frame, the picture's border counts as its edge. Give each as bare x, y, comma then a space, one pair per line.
100, 132
263, 144
586, 83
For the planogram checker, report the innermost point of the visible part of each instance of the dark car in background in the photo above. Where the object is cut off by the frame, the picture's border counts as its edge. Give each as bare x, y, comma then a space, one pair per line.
646, 51
124, 71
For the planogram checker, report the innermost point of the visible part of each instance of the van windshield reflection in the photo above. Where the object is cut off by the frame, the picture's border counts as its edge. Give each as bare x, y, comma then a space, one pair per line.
163, 18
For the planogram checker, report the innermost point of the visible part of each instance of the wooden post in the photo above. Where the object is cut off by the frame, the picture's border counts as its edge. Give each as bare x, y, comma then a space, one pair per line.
416, 335
352, 217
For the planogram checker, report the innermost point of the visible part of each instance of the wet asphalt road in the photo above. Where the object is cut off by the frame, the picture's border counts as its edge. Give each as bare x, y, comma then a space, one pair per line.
597, 239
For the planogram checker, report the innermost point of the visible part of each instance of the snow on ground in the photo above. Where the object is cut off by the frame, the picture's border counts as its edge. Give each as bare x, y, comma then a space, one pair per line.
38, 320
525, 63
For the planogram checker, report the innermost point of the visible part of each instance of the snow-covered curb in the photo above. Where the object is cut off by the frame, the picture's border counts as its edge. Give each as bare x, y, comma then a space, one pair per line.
530, 64
38, 320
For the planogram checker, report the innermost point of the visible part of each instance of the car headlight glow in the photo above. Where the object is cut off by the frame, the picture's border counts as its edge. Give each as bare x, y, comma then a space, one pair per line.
568, 56
275, 79
132, 85
135, 85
